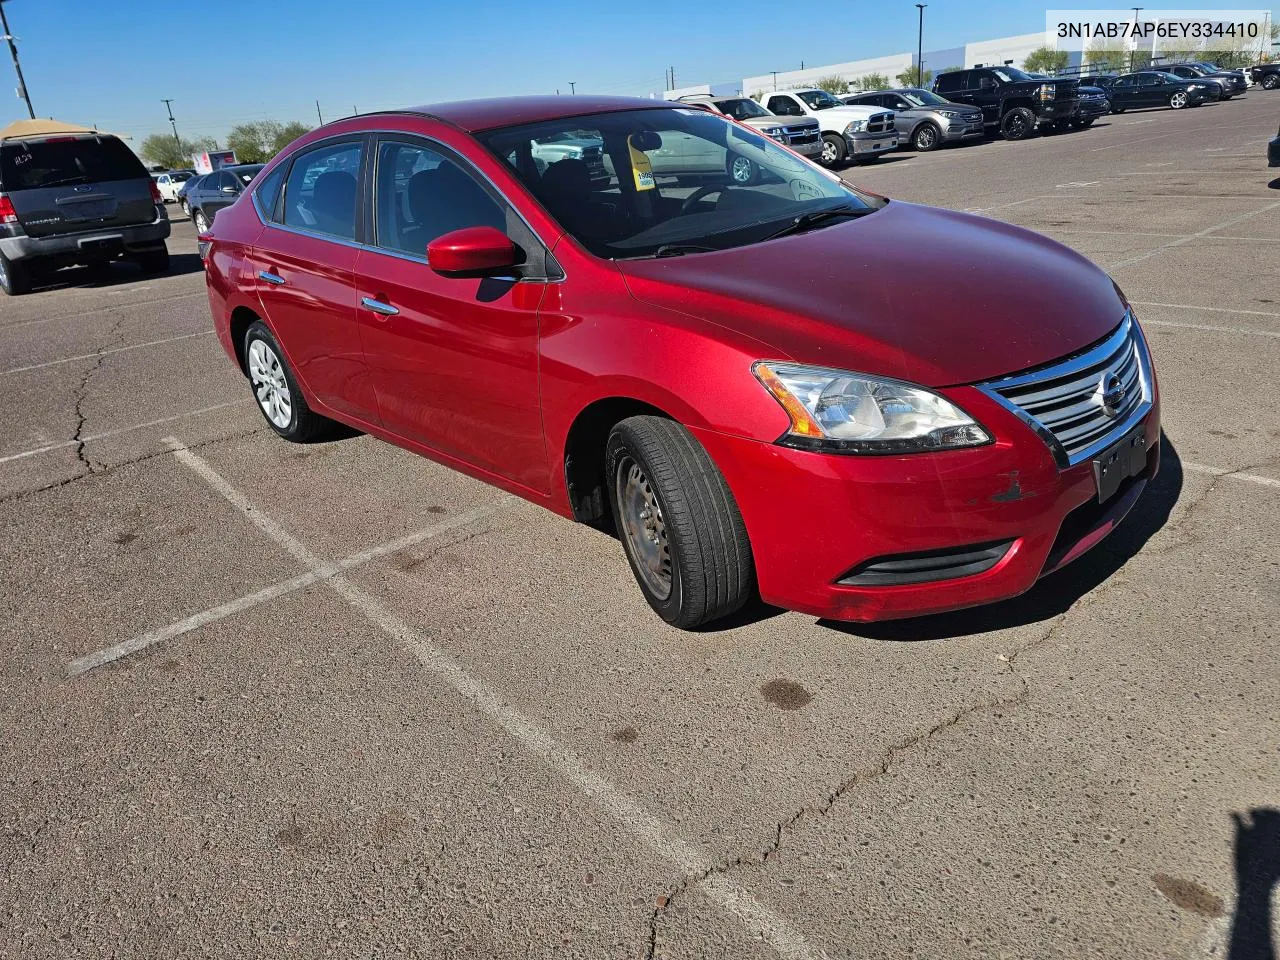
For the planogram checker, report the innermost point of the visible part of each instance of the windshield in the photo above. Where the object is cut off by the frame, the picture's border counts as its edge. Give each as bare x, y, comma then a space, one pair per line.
742, 109
923, 98
30, 164
180, 177
1205, 67
1010, 74
631, 183
819, 99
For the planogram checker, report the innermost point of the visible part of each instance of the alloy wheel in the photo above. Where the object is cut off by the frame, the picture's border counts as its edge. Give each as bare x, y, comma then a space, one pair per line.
925, 138
643, 527
1178, 101
269, 384
741, 170
1017, 127
202, 223
828, 152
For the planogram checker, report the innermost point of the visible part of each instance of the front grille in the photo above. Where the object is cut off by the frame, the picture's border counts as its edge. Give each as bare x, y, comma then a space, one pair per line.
906, 568
1081, 404
880, 123
805, 134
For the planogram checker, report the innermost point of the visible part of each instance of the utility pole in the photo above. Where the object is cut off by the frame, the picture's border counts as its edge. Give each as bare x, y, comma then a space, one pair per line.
920, 47
572, 87
174, 123
1133, 54
319, 115
17, 67
775, 78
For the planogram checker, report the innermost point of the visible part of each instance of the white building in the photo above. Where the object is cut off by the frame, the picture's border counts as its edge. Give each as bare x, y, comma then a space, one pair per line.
850, 72
703, 90
1006, 50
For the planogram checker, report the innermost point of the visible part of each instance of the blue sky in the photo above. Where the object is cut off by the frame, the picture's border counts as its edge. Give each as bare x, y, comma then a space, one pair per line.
227, 61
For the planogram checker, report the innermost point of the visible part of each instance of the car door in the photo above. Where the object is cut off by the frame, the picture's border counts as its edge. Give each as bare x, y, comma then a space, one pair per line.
982, 89
221, 191
304, 267
1124, 92
454, 360
1151, 89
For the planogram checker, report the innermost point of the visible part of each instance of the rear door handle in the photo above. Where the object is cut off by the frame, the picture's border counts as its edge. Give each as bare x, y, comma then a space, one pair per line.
377, 306
270, 277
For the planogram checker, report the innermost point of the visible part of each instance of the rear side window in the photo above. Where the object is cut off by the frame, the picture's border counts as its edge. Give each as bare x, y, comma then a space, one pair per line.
320, 194
268, 191
950, 82
32, 164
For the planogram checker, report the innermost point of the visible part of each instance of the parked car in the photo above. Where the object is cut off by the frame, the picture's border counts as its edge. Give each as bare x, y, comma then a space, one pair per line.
183, 189
848, 133
170, 181
724, 377
1231, 82
73, 196
923, 119
1012, 101
1100, 81
1094, 103
218, 190
1151, 88
1266, 75
803, 135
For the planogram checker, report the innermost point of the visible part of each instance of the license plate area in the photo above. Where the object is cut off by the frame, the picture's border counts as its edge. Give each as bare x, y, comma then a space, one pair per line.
1125, 458
102, 245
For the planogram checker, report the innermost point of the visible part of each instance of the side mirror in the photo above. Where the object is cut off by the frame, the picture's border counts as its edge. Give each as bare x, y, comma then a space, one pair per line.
471, 251
230, 190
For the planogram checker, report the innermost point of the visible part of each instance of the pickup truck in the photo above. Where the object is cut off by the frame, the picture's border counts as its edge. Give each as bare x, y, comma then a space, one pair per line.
1266, 75
1015, 102
848, 133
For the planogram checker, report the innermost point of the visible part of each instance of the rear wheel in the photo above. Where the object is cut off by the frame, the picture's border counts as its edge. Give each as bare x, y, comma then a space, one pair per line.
1270, 81
925, 137
834, 151
186, 210
15, 276
1018, 124
742, 170
679, 525
276, 390
201, 221
1178, 100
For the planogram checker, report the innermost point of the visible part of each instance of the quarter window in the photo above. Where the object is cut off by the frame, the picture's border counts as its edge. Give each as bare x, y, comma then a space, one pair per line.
421, 194
320, 194
268, 191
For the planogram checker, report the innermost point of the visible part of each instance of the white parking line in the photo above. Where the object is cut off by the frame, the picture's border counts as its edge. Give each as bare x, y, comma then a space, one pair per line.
1195, 236
103, 353
660, 838
106, 434
1275, 334
1191, 306
1219, 472
283, 588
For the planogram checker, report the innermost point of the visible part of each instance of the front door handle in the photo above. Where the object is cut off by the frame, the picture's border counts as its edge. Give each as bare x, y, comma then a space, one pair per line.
270, 277
377, 306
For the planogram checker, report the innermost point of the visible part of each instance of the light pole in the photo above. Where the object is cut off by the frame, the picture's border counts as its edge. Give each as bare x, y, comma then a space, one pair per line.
775, 78
1133, 54
920, 47
17, 67
174, 123
572, 87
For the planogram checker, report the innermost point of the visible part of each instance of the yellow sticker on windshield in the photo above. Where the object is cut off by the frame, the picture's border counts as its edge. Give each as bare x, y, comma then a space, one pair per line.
641, 168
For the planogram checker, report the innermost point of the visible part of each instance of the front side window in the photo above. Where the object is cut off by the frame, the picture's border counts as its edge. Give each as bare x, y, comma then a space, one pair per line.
320, 194
641, 183
785, 107
819, 100
421, 194
1124, 82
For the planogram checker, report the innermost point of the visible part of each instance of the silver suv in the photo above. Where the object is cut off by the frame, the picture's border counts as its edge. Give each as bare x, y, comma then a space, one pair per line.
801, 134
74, 196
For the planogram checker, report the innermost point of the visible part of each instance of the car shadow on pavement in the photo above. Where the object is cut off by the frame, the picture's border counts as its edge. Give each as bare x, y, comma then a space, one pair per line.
1257, 854
113, 274
1274, 184
1055, 594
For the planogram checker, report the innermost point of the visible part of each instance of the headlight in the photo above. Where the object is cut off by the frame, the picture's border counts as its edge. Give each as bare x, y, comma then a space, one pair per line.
857, 126
839, 411
1048, 91
773, 131
949, 114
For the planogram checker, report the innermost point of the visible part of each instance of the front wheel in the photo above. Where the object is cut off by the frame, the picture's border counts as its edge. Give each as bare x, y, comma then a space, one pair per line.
1018, 124
276, 390
1270, 81
678, 522
1178, 100
834, 151
743, 170
925, 137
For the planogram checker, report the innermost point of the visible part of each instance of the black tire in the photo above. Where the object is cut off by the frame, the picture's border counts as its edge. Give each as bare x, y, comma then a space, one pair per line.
153, 261
1270, 81
701, 536
743, 171
1018, 124
302, 425
926, 137
1115, 109
1083, 124
15, 276
834, 151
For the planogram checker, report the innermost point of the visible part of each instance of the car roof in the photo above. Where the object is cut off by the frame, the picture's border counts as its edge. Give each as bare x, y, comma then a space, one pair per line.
476, 116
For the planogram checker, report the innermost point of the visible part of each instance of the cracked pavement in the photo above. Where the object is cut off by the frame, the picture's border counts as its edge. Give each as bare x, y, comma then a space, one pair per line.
279, 776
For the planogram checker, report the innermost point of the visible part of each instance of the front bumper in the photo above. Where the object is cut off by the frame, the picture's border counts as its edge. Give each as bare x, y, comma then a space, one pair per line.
1048, 110
953, 130
820, 516
88, 245
806, 148
861, 144
1092, 109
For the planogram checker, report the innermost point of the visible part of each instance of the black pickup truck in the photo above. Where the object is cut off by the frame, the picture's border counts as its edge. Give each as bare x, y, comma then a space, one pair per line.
1011, 100
1266, 75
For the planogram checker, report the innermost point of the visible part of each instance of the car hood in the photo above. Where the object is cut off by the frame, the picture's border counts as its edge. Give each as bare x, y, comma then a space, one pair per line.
916, 293
761, 122
843, 115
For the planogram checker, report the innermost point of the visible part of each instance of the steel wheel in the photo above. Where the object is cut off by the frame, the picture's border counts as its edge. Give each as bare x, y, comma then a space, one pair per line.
1178, 100
643, 528
269, 384
742, 170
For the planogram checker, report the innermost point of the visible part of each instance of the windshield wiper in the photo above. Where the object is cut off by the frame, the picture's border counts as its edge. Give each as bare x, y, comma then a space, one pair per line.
815, 217
680, 249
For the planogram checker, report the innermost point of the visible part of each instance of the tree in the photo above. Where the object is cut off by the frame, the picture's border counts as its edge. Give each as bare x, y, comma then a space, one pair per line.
909, 78
162, 149
871, 81
1107, 56
832, 84
261, 140
1046, 60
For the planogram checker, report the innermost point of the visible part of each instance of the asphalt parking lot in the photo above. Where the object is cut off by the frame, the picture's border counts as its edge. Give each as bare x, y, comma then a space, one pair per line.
262, 700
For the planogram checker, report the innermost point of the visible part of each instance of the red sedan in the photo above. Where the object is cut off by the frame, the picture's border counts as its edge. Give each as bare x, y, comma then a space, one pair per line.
860, 408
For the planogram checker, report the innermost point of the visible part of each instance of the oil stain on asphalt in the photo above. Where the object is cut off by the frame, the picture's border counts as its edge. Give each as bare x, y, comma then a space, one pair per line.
1188, 895
786, 694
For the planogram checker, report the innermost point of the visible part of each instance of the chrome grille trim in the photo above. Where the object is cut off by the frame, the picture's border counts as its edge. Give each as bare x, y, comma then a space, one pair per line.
1062, 402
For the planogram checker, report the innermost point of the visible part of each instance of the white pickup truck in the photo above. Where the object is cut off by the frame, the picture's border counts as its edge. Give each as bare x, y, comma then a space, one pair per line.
848, 132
